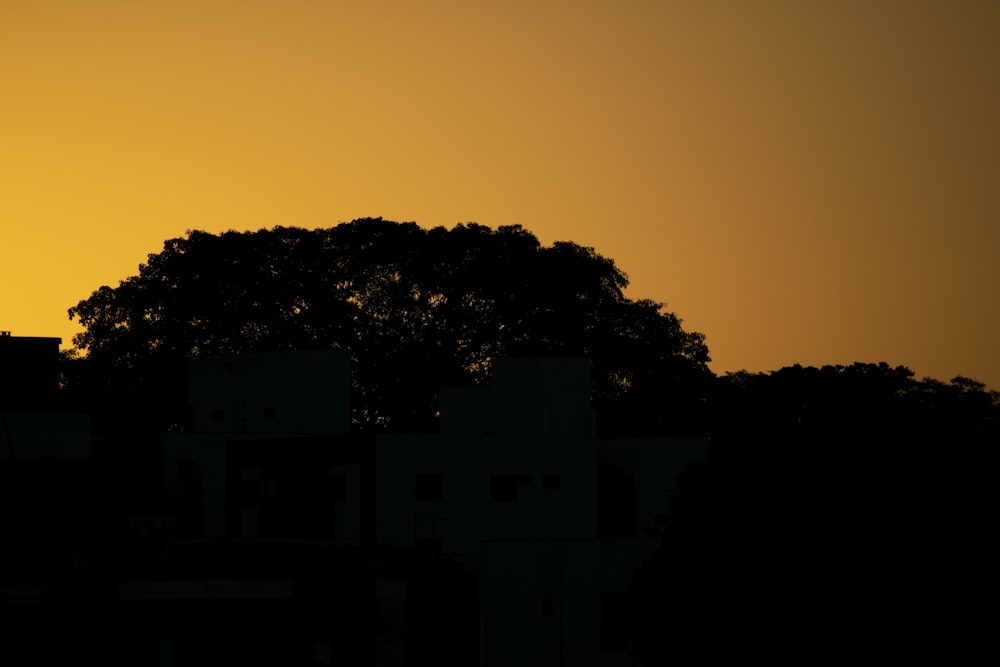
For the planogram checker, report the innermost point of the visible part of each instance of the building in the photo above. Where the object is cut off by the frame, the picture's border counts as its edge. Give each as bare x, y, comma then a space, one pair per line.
29, 372
290, 392
268, 532
255, 549
53, 526
551, 519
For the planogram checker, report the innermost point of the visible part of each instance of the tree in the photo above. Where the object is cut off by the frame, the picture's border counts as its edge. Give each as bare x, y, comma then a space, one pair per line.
832, 499
416, 309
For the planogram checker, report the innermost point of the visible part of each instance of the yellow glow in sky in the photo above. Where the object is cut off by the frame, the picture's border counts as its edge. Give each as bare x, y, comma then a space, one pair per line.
803, 182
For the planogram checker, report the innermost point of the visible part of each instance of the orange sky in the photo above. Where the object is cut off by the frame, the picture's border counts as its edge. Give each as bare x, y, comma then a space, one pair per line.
803, 182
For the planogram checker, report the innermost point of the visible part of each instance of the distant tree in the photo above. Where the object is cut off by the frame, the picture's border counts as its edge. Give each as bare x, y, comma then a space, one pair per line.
833, 499
416, 309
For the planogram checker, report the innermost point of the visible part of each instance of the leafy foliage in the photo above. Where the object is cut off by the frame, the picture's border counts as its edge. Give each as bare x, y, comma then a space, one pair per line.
832, 499
417, 309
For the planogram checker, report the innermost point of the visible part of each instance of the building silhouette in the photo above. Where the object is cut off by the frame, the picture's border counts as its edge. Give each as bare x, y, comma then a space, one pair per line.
260, 520
52, 522
548, 517
266, 532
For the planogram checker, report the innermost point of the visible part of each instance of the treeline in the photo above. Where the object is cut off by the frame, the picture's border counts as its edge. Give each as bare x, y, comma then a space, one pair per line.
842, 510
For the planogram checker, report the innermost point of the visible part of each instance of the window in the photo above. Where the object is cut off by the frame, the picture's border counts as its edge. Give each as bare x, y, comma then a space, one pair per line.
546, 605
551, 482
614, 621
616, 505
503, 488
187, 471
250, 492
251, 486
338, 488
430, 546
430, 486
189, 500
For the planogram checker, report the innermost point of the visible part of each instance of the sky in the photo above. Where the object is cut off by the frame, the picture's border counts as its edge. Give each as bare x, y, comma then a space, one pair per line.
801, 181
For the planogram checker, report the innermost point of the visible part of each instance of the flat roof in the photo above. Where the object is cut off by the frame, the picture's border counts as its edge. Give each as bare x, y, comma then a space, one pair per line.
5, 336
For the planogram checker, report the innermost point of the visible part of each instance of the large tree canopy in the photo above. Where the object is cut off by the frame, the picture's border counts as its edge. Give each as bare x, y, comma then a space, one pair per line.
416, 309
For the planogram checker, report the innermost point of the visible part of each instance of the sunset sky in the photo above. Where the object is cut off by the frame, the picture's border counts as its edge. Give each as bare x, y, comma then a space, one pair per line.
804, 182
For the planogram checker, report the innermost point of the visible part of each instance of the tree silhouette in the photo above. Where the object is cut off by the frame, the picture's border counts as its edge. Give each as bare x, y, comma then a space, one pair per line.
839, 509
416, 309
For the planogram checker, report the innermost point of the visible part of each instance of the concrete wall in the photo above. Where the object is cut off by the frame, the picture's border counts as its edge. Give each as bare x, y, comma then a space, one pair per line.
201, 471
542, 601
295, 392
202, 455
466, 513
40, 436
528, 396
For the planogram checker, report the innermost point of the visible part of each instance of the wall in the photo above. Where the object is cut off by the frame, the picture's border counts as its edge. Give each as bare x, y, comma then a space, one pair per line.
292, 392
44, 436
549, 602
528, 396
466, 514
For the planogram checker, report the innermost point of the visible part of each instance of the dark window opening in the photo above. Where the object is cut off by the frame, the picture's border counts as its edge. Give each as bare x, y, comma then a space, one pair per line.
187, 471
614, 621
503, 488
429, 545
251, 491
338, 488
546, 605
616, 505
430, 486
189, 500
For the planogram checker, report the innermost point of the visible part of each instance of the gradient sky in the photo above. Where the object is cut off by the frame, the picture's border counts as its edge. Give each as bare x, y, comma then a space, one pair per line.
804, 182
